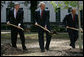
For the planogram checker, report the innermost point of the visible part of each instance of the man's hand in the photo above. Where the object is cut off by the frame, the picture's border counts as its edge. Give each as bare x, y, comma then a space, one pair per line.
46, 26
19, 26
8, 22
67, 26
36, 23
81, 29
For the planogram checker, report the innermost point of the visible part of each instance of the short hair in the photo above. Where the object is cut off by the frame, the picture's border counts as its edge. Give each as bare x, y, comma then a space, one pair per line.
39, 5
73, 9
16, 3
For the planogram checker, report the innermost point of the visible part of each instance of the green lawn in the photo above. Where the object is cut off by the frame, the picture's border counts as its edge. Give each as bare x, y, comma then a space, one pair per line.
35, 36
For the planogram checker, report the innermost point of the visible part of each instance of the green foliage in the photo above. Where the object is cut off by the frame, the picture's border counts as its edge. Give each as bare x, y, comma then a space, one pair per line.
73, 3
65, 4
5, 27
58, 28
54, 5
2, 2
26, 3
11, 4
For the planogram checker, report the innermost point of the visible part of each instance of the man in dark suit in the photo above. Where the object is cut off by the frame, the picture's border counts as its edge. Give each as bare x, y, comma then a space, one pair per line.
15, 17
71, 20
42, 18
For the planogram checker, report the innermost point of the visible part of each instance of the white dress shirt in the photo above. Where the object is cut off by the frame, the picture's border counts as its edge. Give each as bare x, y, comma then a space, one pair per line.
15, 16
15, 13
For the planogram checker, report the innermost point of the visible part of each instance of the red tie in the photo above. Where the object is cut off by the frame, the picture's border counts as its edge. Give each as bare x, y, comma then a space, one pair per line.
41, 13
73, 17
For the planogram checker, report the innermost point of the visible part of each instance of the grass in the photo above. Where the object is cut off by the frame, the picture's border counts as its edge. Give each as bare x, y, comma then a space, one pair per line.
5, 36
35, 36
61, 36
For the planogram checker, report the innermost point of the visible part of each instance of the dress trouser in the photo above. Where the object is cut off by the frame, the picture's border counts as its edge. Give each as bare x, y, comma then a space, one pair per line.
14, 33
73, 35
41, 39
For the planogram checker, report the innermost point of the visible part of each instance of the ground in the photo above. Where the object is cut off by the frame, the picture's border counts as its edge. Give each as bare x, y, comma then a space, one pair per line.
59, 45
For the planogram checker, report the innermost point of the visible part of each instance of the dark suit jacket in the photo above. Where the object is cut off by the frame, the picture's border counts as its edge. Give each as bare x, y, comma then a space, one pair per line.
18, 19
68, 21
44, 20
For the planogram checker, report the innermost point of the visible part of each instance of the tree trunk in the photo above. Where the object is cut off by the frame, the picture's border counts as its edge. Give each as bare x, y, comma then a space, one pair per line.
79, 23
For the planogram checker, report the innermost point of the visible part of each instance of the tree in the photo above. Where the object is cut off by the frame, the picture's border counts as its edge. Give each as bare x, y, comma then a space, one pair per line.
26, 3
10, 4
79, 26
2, 3
67, 4
33, 8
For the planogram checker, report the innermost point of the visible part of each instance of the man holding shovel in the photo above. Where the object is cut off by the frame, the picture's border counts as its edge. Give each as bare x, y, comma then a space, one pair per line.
15, 19
42, 19
71, 22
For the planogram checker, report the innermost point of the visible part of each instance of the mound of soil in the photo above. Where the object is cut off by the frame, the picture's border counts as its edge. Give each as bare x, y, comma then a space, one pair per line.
7, 49
74, 52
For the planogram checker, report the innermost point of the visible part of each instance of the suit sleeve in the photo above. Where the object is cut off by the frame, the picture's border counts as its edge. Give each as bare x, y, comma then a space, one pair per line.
35, 17
8, 16
65, 20
77, 21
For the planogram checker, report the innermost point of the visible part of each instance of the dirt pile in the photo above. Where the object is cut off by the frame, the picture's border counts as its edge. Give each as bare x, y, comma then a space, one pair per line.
73, 52
7, 49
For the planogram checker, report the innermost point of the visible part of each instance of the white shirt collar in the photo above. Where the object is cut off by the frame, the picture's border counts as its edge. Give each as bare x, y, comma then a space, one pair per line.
15, 13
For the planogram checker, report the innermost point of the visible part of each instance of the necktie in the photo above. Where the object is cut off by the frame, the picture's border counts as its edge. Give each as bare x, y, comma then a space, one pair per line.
41, 13
73, 17
16, 13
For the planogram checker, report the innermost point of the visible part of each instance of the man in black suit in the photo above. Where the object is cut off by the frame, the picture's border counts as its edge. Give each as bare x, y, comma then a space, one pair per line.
42, 18
71, 20
15, 17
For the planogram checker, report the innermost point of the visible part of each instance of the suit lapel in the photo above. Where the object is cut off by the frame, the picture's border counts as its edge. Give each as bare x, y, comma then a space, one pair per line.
17, 14
38, 13
13, 13
42, 13
71, 17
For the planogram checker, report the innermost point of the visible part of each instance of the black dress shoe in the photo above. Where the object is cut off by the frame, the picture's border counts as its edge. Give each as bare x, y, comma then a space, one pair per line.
25, 49
47, 49
14, 46
72, 45
42, 50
